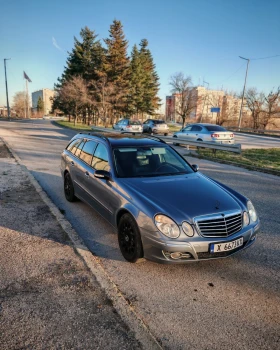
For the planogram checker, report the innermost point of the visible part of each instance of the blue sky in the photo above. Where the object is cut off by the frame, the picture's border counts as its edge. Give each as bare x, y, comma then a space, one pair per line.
202, 38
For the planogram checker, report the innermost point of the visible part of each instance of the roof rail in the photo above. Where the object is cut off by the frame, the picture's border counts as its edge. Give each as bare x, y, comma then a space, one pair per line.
154, 138
95, 134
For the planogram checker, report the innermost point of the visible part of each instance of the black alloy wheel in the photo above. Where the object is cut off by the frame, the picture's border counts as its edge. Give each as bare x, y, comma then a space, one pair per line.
129, 239
68, 188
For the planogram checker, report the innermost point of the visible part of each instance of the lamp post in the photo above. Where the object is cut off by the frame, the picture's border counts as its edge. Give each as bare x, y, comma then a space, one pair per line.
240, 114
7, 95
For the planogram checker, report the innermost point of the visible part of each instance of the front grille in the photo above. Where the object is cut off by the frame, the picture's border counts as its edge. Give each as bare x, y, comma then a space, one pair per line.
220, 225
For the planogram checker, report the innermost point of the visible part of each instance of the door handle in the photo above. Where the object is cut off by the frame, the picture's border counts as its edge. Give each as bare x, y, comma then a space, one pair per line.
72, 163
86, 174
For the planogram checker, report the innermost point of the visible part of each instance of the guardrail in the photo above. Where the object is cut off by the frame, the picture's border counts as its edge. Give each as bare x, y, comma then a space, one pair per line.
236, 148
255, 131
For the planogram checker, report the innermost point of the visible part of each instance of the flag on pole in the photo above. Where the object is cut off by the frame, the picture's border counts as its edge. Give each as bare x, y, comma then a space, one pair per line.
25, 76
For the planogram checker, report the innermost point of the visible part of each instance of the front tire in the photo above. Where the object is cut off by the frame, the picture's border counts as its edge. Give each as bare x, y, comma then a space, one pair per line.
69, 188
175, 143
129, 239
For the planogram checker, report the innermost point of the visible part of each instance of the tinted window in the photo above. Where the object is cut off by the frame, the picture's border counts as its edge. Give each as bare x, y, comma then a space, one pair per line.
196, 128
134, 122
87, 151
78, 151
149, 161
159, 121
72, 147
215, 128
100, 158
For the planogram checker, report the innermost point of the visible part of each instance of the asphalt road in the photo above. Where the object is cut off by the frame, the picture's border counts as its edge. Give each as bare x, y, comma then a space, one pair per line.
228, 303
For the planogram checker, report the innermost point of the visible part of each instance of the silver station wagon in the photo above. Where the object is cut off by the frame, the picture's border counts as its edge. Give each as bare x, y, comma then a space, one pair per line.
206, 132
162, 208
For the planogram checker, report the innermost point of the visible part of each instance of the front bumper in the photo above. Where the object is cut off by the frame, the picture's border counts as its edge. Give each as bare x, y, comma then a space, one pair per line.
197, 248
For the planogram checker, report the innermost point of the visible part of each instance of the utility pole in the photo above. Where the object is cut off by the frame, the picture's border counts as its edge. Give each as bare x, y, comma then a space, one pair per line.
240, 114
7, 94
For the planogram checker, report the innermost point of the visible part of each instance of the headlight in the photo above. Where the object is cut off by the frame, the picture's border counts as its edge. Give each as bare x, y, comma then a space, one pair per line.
246, 220
167, 226
187, 228
252, 212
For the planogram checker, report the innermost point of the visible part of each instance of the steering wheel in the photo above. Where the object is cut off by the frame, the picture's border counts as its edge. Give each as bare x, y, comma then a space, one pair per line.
168, 166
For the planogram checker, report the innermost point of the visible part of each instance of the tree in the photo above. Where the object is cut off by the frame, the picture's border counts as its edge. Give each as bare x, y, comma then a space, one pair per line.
73, 97
150, 101
19, 103
116, 67
182, 87
272, 107
40, 105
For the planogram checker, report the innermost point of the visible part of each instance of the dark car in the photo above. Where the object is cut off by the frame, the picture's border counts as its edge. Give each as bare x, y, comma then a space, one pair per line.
162, 207
155, 126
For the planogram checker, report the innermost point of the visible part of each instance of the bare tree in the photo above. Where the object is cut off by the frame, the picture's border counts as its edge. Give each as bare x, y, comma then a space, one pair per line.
255, 101
272, 107
74, 96
182, 87
19, 103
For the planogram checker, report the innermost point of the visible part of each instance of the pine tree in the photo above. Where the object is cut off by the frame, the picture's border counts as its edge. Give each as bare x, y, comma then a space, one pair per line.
135, 99
40, 105
151, 101
117, 66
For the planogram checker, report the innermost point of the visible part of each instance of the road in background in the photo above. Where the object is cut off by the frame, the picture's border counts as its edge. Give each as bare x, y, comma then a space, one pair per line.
226, 303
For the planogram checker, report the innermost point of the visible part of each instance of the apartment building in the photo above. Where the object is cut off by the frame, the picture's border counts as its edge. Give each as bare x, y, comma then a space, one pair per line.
211, 106
45, 95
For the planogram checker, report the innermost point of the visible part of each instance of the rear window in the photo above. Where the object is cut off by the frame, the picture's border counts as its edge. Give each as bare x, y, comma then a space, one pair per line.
134, 122
72, 147
215, 128
159, 121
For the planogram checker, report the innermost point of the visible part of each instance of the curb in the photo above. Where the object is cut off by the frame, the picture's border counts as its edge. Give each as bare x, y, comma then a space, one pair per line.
126, 311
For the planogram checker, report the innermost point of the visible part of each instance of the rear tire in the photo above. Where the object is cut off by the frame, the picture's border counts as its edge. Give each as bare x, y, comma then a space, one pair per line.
69, 188
129, 238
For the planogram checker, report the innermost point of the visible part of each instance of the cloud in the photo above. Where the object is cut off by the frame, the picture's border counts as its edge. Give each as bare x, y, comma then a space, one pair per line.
55, 44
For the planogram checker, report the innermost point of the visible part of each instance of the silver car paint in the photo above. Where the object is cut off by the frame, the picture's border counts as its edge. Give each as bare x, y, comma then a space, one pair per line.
181, 198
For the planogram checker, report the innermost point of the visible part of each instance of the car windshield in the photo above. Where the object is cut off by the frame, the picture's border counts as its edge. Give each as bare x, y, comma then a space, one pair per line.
149, 161
159, 121
214, 128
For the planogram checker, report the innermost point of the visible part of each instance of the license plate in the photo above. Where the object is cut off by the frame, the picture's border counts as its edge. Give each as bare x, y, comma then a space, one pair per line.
225, 247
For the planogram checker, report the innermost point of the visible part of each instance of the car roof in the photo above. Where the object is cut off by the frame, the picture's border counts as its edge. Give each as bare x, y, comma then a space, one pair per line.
115, 139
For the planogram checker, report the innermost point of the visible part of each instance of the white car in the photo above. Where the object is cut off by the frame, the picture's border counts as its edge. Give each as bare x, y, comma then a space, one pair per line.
206, 132
127, 125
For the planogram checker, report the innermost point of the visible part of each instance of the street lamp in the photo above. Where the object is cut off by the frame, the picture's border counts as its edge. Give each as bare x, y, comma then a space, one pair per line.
7, 95
240, 114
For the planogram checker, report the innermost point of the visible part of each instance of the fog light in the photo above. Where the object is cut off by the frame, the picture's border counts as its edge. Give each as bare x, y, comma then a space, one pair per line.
176, 255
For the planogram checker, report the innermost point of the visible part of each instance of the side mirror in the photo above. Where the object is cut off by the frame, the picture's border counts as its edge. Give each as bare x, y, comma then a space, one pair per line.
102, 174
195, 167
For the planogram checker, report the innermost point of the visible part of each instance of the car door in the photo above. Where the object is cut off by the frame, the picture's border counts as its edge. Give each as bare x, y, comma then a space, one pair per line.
102, 191
83, 169
146, 126
196, 133
185, 133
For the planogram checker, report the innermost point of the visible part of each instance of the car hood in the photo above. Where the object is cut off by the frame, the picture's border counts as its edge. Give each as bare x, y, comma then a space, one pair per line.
182, 197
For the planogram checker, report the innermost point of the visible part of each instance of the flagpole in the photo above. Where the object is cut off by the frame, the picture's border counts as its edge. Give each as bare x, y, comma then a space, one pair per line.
27, 97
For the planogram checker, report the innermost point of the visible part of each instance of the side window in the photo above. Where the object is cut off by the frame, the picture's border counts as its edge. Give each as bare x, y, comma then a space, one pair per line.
100, 158
80, 147
196, 128
87, 151
72, 147
187, 128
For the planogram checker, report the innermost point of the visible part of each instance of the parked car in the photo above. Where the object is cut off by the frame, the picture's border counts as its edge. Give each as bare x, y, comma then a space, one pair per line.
127, 125
155, 126
206, 132
161, 206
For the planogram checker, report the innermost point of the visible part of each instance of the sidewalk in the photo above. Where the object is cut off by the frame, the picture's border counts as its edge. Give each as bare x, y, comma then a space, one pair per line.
48, 298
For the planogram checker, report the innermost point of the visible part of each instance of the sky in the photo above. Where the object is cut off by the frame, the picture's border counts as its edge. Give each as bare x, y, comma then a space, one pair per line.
201, 38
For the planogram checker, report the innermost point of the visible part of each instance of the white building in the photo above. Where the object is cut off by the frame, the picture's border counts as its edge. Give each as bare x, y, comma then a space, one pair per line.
45, 95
